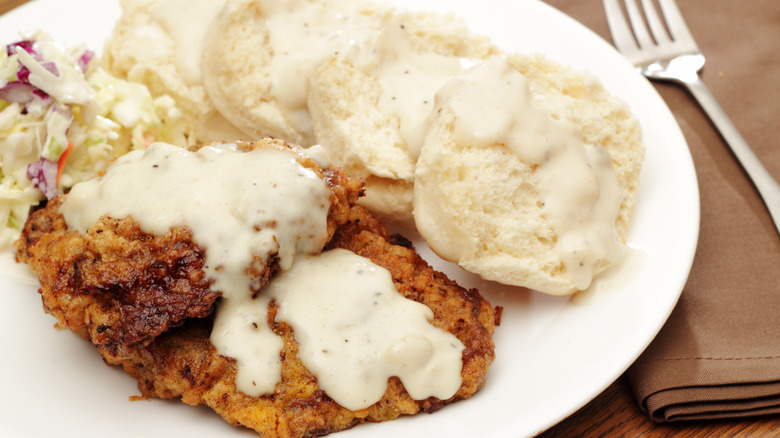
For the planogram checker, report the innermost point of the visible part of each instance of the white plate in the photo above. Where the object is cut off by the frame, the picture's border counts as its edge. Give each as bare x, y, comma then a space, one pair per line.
554, 354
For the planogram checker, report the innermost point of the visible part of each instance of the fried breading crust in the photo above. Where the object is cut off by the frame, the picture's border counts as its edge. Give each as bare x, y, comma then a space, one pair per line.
183, 364
115, 285
118, 286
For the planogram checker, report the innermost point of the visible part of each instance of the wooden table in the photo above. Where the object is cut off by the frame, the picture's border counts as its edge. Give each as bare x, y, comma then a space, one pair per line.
7, 5
615, 411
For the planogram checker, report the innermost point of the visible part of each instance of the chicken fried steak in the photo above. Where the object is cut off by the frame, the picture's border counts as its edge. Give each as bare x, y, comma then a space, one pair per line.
310, 319
182, 363
121, 287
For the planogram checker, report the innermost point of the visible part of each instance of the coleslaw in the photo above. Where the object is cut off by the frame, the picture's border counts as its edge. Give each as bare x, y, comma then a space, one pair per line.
63, 119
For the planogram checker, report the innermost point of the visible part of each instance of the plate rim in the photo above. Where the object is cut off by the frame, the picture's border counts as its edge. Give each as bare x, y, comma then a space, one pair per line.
587, 392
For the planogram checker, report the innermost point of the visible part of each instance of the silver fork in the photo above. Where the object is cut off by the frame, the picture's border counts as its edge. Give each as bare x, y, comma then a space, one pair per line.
667, 52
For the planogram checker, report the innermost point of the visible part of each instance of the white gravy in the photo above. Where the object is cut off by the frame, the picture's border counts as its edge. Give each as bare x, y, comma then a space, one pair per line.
579, 189
353, 327
303, 34
615, 278
354, 331
238, 205
187, 22
409, 81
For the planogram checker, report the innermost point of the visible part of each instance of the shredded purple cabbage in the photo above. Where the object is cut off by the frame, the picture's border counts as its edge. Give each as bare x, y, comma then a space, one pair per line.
21, 90
43, 175
85, 59
24, 73
27, 45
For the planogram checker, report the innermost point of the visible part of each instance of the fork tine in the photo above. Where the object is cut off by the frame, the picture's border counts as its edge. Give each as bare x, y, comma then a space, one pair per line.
621, 34
677, 27
657, 27
638, 24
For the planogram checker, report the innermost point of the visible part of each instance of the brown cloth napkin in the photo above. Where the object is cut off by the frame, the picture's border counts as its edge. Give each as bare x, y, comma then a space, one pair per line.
718, 355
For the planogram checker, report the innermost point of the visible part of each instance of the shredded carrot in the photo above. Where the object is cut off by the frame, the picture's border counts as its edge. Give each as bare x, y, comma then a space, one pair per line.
62, 160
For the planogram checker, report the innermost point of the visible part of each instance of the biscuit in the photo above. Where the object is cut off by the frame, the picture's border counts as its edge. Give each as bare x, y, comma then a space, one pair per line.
259, 57
370, 113
144, 48
482, 207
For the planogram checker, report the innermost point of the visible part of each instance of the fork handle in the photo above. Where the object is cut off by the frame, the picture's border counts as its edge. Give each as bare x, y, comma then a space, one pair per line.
767, 187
